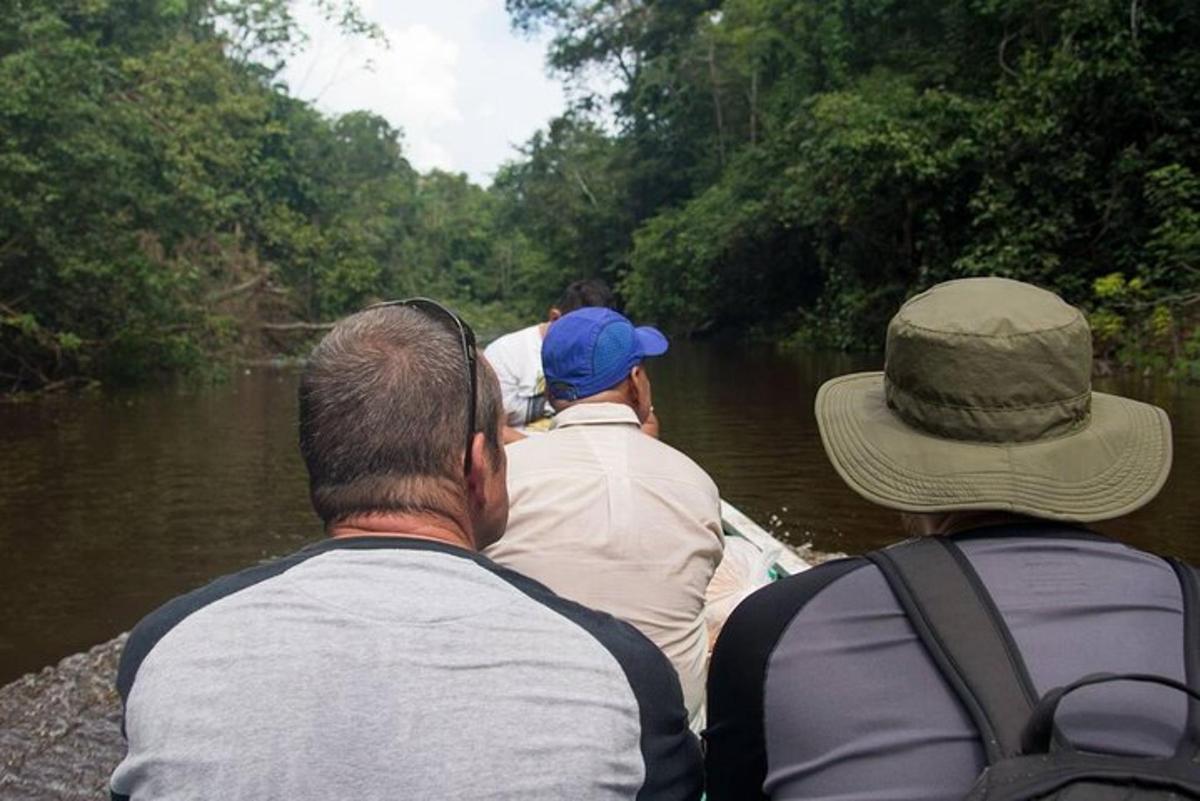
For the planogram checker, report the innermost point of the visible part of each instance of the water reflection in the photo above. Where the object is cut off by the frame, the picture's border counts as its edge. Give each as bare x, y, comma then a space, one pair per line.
111, 505
745, 414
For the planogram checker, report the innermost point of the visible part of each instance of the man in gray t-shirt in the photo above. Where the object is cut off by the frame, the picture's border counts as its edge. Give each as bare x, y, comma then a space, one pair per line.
982, 429
392, 660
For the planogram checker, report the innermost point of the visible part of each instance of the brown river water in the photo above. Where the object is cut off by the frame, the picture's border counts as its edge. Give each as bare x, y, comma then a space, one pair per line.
111, 504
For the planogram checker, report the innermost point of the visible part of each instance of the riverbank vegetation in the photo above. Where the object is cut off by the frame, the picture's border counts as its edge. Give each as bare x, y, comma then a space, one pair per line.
163, 201
788, 169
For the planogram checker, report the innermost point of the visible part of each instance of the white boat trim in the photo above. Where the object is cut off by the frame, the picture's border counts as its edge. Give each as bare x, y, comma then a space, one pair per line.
734, 521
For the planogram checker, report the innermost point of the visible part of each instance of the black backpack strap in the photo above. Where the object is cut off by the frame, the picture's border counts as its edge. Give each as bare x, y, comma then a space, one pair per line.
1189, 746
961, 628
1039, 732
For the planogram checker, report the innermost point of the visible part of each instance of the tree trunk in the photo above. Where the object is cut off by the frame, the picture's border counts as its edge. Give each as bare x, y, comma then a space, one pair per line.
754, 105
712, 75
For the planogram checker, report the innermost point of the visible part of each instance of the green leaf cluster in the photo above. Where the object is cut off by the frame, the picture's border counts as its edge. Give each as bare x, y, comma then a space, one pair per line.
165, 204
793, 168
800, 168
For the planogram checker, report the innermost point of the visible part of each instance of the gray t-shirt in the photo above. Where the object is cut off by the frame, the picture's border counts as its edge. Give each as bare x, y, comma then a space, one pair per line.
381, 667
819, 688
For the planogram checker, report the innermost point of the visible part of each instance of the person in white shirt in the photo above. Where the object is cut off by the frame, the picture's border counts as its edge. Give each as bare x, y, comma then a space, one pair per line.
604, 514
517, 360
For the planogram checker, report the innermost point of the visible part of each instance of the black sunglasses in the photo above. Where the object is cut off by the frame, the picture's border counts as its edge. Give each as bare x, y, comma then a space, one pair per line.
466, 338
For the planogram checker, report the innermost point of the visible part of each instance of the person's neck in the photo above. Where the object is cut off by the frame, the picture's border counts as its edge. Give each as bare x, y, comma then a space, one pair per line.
947, 523
616, 396
434, 527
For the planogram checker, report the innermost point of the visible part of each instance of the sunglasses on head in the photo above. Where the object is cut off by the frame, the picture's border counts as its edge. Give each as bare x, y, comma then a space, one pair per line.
466, 338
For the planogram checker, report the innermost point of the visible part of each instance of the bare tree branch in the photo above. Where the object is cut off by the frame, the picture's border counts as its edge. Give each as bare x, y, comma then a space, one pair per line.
583, 186
1182, 299
1008, 37
238, 289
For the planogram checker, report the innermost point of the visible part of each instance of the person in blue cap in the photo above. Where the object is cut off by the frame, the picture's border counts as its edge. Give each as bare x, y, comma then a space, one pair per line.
604, 514
582, 371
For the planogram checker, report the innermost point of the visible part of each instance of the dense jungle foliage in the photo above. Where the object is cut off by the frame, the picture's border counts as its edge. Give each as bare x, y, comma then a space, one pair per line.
787, 168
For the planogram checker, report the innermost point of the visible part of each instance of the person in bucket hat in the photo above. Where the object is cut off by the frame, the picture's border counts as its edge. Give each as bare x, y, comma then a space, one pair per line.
983, 430
986, 404
606, 515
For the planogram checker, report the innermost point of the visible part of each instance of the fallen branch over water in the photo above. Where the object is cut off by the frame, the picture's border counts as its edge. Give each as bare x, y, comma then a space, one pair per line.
245, 286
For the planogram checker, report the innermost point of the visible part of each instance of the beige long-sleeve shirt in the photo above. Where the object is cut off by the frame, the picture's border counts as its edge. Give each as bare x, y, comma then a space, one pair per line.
616, 520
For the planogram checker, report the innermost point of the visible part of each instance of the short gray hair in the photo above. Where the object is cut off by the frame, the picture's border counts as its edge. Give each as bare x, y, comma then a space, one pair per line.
383, 415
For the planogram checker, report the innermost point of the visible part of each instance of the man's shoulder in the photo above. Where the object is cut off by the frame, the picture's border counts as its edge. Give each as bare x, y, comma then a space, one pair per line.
673, 463
637, 656
738, 672
757, 623
156, 625
1023, 544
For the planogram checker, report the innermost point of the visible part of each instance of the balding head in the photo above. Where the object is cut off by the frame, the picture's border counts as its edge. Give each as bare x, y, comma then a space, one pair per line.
383, 416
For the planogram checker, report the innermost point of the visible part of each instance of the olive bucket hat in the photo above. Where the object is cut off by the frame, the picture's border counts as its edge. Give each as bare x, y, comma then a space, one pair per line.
985, 402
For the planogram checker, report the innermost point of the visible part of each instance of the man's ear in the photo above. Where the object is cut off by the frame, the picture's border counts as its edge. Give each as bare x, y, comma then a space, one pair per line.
483, 465
553, 314
639, 392
637, 385
487, 492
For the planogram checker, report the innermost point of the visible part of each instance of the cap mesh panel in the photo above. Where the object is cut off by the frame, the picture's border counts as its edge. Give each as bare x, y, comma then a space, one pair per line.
613, 347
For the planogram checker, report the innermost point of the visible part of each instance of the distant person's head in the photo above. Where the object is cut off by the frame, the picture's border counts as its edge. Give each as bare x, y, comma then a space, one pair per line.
595, 355
985, 409
582, 294
384, 418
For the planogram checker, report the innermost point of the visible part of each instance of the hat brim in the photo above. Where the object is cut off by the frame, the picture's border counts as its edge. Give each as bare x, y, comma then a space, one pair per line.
651, 341
1111, 467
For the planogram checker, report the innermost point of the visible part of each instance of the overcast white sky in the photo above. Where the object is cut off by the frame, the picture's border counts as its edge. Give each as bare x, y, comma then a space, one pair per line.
463, 87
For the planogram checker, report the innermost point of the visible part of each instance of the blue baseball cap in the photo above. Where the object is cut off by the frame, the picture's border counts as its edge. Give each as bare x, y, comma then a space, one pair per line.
593, 349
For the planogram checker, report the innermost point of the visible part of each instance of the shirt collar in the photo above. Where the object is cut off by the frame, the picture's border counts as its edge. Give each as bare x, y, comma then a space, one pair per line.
595, 414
